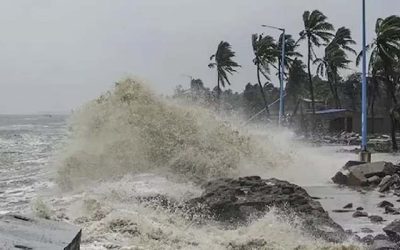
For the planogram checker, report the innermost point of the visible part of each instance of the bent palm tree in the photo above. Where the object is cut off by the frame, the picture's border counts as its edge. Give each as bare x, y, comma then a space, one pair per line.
290, 52
335, 59
316, 30
385, 54
224, 63
264, 49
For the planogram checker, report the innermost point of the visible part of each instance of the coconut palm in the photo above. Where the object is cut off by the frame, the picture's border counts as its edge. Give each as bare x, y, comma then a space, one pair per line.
290, 52
223, 61
385, 55
335, 59
316, 31
264, 52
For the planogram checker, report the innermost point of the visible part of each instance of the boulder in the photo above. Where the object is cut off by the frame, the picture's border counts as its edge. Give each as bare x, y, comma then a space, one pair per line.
391, 210
359, 208
383, 245
236, 201
368, 240
360, 214
393, 180
350, 205
358, 175
393, 230
366, 230
374, 180
375, 218
381, 237
384, 204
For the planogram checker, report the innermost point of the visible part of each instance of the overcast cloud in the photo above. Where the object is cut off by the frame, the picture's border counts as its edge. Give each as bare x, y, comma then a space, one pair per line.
55, 55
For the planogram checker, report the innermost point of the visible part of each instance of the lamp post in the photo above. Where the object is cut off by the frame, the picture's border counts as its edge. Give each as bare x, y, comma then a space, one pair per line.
364, 154
281, 76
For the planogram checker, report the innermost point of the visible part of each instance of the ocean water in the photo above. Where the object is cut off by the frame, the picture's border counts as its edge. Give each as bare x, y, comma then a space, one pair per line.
93, 167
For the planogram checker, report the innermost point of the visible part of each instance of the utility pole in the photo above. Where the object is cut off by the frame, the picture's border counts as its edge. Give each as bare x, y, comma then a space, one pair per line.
282, 74
365, 155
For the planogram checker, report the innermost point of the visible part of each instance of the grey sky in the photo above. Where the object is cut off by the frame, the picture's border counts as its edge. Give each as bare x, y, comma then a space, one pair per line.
55, 55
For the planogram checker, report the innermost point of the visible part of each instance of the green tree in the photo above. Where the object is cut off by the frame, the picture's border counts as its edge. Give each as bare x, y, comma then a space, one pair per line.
316, 31
290, 52
335, 59
264, 52
223, 61
384, 56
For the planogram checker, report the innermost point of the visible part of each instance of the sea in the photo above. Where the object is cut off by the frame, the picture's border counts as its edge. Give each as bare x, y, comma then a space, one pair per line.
91, 167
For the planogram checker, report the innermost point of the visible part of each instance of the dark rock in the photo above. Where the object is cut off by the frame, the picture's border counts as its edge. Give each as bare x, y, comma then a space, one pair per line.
391, 210
237, 201
375, 218
381, 237
374, 180
385, 204
349, 232
393, 180
368, 240
357, 238
350, 205
366, 230
252, 244
342, 210
383, 245
384, 180
340, 178
360, 214
393, 230
350, 164
359, 208
357, 175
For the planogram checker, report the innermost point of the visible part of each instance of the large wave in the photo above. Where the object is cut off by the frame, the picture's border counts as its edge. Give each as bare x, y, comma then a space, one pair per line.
131, 130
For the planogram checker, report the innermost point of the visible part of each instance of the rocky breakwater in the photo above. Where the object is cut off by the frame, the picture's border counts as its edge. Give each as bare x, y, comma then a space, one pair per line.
385, 178
237, 201
382, 175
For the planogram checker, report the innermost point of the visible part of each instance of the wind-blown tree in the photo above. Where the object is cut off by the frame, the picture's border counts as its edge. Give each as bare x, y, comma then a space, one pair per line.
264, 52
316, 31
290, 52
385, 55
223, 62
295, 87
335, 59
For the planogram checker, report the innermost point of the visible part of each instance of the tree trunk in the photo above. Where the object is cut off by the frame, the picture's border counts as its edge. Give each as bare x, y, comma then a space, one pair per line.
393, 131
311, 84
330, 81
373, 114
262, 90
218, 89
336, 94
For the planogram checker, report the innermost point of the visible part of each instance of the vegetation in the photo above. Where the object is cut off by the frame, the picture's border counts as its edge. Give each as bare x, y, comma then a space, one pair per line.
319, 80
223, 61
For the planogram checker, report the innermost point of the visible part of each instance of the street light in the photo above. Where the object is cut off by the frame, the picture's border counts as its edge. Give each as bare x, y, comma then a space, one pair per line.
281, 93
364, 154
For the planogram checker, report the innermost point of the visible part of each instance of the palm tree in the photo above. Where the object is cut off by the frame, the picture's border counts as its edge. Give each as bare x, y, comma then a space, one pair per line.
316, 30
224, 63
385, 55
290, 52
264, 52
335, 59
